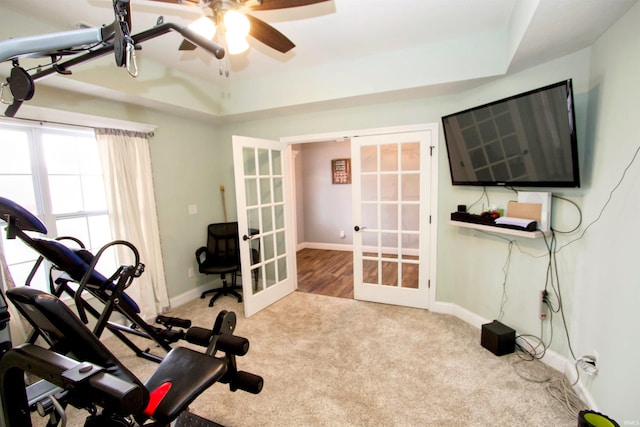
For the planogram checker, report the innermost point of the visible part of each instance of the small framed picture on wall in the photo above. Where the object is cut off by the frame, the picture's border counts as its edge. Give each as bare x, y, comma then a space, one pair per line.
341, 171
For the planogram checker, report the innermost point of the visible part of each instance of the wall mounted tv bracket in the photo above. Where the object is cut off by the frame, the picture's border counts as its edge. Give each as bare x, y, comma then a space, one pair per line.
84, 45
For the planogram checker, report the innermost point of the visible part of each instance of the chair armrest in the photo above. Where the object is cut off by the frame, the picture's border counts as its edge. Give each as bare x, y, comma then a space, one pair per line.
201, 250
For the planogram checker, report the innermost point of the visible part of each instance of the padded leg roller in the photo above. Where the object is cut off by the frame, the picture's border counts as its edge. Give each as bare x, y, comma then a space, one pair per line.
246, 381
226, 342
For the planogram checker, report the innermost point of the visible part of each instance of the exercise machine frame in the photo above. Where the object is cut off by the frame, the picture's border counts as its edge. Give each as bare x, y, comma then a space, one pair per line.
84, 44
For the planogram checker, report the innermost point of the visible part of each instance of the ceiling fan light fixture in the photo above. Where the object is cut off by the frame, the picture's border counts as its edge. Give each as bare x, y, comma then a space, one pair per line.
237, 24
204, 26
236, 45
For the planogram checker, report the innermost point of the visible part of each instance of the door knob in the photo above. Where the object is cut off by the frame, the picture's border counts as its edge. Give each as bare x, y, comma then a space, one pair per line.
358, 228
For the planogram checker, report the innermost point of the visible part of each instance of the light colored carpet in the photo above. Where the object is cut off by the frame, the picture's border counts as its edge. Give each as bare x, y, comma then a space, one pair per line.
338, 362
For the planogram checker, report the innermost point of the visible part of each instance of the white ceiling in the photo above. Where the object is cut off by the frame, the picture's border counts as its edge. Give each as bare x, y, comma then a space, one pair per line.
345, 49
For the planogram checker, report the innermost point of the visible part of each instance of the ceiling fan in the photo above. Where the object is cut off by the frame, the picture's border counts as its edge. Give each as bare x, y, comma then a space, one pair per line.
228, 20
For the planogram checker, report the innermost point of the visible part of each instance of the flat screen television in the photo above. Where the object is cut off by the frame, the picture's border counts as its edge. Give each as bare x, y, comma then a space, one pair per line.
526, 140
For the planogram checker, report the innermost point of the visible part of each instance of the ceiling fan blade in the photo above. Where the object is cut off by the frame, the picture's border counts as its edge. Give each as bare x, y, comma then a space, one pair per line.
268, 35
281, 4
187, 45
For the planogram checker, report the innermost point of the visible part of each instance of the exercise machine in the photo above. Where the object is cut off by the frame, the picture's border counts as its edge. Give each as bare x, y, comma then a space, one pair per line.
76, 368
73, 272
75, 351
79, 370
80, 46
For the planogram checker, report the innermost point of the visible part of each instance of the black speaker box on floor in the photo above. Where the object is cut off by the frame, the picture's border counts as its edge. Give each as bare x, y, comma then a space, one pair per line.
498, 338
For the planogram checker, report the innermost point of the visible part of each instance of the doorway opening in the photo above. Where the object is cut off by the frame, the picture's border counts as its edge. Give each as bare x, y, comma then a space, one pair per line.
382, 227
324, 219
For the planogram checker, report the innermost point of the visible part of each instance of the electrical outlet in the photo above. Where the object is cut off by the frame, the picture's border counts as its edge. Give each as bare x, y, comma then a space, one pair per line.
588, 364
544, 307
190, 272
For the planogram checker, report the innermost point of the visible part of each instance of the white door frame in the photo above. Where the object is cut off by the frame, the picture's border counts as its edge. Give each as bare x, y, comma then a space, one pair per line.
433, 181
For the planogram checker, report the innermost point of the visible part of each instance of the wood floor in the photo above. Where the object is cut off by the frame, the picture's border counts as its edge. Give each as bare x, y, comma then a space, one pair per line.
330, 273
325, 272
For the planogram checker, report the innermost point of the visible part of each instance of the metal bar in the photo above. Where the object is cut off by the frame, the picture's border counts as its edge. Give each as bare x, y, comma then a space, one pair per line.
149, 34
48, 43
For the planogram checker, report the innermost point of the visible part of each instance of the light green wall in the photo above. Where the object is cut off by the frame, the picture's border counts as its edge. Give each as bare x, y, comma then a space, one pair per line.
189, 165
607, 290
473, 284
471, 265
598, 276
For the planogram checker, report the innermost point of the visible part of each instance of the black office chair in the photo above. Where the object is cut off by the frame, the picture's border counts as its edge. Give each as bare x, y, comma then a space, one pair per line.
221, 256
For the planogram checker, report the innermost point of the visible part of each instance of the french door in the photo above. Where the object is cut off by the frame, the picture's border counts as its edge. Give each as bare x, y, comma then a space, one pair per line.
267, 246
392, 198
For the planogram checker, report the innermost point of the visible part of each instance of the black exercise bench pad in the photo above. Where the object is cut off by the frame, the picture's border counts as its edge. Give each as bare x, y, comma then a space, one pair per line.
189, 373
64, 332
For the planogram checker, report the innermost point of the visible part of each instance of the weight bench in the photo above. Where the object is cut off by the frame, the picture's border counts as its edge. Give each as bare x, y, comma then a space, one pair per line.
78, 268
91, 377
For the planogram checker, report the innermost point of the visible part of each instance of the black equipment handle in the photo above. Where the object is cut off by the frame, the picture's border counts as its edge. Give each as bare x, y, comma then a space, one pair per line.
170, 322
81, 379
125, 274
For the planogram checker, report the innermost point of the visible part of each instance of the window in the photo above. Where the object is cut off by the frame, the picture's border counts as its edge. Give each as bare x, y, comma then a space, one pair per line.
55, 173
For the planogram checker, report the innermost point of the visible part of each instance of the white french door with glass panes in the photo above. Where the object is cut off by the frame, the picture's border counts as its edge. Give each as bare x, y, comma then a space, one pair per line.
267, 246
392, 198
55, 173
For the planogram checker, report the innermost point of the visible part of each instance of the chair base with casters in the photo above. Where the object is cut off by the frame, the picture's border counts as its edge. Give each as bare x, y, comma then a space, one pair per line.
90, 377
223, 291
221, 256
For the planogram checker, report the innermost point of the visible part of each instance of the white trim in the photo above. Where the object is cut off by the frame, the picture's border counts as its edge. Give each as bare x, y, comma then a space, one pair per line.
551, 358
190, 295
66, 118
349, 248
325, 246
330, 136
459, 312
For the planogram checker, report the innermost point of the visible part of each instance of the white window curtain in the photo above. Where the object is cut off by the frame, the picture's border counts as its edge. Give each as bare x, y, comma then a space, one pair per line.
126, 165
19, 327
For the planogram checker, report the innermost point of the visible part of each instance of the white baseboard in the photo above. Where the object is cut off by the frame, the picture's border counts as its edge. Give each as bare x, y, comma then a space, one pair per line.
551, 358
349, 248
459, 312
190, 295
326, 246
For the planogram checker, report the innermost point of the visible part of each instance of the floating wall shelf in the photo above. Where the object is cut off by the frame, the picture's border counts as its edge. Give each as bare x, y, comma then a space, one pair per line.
500, 230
